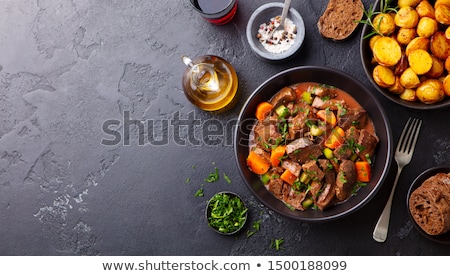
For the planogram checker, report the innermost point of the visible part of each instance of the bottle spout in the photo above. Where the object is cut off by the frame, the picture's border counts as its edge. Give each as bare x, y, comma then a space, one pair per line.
187, 61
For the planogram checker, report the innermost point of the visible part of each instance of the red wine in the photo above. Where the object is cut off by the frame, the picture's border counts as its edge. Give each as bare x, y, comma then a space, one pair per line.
212, 6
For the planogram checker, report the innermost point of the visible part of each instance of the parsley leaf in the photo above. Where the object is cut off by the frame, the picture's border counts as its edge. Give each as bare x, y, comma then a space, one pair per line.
276, 243
227, 179
214, 176
256, 226
199, 193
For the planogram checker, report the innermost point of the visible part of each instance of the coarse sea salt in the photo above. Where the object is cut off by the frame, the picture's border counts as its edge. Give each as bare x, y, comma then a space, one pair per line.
282, 39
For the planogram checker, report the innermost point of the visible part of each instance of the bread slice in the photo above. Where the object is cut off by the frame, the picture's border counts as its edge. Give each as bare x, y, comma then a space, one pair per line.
340, 18
429, 204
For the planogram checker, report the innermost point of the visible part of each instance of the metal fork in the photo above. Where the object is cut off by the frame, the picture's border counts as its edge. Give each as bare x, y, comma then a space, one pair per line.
403, 155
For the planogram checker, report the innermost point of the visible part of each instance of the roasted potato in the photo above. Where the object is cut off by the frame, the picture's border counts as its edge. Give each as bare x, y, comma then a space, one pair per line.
383, 76
442, 13
412, 60
440, 45
447, 32
408, 95
404, 3
425, 9
406, 35
447, 64
418, 43
437, 69
441, 2
372, 41
446, 85
387, 51
426, 27
409, 79
420, 61
430, 91
397, 88
384, 23
406, 17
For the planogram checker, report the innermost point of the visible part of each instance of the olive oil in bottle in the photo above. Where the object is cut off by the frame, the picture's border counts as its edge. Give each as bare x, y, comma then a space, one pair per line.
210, 82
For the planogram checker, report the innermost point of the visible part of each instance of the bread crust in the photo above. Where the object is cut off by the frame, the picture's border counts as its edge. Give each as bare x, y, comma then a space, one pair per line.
339, 19
429, 204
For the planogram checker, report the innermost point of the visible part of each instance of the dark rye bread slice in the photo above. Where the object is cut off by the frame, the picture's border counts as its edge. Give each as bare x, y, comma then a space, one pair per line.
430, 206
340, 18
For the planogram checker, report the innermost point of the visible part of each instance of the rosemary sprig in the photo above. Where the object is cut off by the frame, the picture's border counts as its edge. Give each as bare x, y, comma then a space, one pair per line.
371, 13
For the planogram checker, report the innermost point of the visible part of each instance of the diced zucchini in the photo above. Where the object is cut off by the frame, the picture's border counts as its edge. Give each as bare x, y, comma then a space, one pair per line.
328, 153
282, 111
353, 157
307, 97
265, 178
304, 178
315, 130
307, 203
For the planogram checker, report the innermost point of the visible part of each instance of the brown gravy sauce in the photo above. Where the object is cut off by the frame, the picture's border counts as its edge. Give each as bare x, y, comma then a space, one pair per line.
340, 95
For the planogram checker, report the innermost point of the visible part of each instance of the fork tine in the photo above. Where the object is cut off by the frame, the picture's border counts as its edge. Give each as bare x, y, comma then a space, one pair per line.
409, 135
403, 136
415, 133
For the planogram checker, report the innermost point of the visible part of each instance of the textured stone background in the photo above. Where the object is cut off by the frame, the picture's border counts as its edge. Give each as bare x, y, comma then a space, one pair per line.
67, 66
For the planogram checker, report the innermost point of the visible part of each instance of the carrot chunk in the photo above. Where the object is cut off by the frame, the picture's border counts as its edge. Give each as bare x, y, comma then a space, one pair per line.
336, 138
257, 164
276, 155
288, 177
363, 171
327, 116
262, 110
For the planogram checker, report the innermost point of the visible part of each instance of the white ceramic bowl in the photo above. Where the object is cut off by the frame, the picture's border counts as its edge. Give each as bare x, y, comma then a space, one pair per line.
262, 15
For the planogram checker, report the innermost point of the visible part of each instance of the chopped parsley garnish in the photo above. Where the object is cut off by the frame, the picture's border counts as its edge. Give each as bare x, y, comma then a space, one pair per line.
227, 179
256, 226
357, 186
199, 193
227, 213
276, 243
214, 176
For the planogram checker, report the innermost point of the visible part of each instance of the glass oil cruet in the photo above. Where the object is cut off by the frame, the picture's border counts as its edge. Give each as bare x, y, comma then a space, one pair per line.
209, 82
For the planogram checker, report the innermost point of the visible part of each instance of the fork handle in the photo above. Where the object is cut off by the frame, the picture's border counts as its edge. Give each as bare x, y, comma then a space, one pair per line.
381, 228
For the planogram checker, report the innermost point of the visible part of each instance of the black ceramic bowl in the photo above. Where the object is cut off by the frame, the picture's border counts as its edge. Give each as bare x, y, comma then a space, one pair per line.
366, 58
331, 77
444, 238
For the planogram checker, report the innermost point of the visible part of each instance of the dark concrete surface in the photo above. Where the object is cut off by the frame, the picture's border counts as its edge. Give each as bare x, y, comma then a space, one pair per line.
70, 67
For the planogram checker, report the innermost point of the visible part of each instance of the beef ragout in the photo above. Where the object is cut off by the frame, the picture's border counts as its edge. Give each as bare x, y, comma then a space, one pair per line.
312, 145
